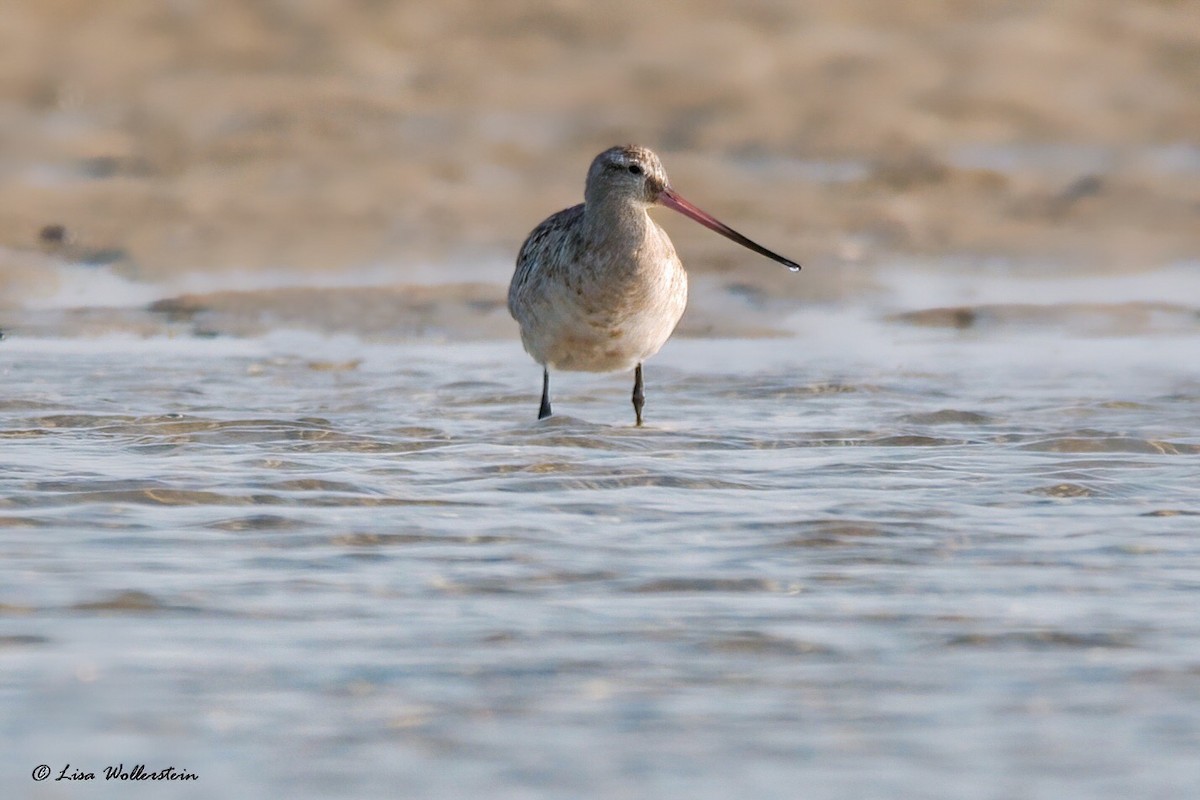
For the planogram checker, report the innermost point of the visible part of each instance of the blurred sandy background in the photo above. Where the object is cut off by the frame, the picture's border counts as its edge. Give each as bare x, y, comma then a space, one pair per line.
170, 137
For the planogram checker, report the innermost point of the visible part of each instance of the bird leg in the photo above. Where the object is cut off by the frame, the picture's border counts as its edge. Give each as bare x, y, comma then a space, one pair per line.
544, 410
639, 394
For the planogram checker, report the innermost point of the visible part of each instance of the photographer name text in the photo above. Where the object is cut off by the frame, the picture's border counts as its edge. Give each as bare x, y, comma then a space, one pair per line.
138, 772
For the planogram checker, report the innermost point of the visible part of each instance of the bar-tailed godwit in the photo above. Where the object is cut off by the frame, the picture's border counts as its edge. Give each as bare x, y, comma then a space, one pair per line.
598, 287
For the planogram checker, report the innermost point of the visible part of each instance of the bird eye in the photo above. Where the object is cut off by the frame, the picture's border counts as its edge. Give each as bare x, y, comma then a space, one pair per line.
634, 169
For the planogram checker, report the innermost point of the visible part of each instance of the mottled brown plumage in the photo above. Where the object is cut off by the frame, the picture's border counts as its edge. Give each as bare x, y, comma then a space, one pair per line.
598, 287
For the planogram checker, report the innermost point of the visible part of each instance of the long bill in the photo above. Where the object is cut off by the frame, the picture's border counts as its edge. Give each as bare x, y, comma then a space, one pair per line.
669, 198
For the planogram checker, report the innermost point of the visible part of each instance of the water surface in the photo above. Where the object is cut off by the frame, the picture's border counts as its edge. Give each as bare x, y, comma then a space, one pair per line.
867, 559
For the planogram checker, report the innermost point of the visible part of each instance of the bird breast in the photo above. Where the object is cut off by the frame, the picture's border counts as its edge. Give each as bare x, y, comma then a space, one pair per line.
603, 305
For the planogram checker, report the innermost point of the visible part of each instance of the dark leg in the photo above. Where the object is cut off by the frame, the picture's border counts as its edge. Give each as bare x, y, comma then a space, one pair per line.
639, 394
544, 411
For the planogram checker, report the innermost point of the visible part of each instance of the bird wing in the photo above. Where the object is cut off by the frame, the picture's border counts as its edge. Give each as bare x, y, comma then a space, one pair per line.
542, 251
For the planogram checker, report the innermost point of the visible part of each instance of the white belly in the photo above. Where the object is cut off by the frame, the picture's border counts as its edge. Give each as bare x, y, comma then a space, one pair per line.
593, 328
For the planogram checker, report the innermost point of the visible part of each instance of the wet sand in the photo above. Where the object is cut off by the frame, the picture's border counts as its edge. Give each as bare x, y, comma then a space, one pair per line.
223, 137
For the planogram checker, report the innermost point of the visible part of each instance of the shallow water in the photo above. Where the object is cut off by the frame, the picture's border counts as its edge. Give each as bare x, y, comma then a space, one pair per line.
872, 560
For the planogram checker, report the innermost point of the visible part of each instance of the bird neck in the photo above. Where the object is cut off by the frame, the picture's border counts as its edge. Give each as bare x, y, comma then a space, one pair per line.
615, 222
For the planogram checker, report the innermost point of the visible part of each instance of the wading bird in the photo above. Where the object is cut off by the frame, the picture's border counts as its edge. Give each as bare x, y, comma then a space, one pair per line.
598, 287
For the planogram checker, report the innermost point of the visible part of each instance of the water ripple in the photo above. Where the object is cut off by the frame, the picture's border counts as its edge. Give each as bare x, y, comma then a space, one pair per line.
932, 555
